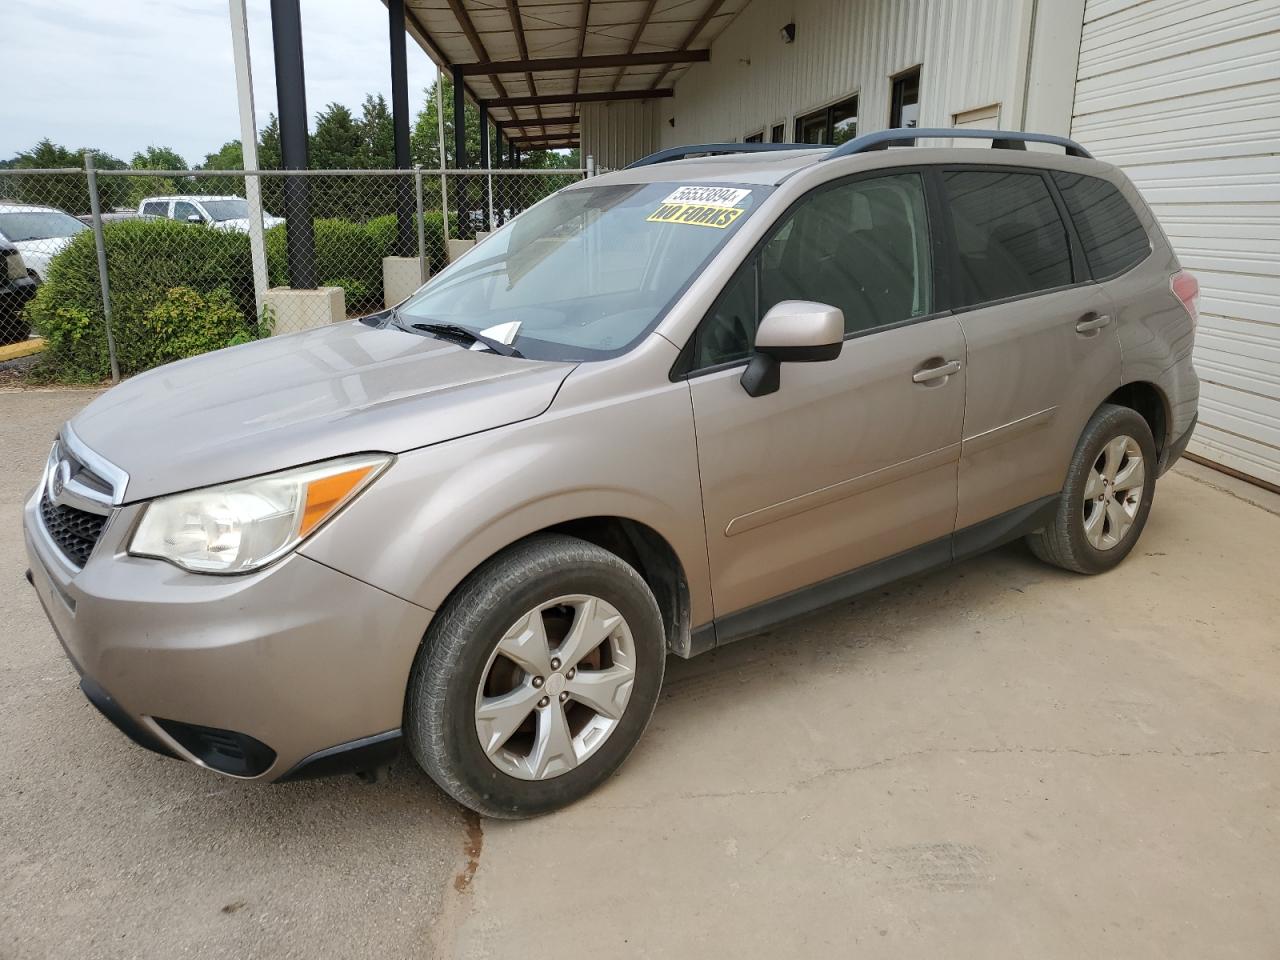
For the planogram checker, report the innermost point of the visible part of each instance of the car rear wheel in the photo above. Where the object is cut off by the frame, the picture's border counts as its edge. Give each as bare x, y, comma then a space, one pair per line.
1107, 496
537, 678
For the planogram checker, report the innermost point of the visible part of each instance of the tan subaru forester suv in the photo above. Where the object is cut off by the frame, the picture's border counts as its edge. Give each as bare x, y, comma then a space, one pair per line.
663, 409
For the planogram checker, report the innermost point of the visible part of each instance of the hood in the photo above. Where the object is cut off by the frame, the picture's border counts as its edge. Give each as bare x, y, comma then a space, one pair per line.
289, 400
36, 254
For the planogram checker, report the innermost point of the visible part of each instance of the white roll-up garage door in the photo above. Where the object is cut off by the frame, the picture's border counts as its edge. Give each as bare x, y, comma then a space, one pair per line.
1185, 96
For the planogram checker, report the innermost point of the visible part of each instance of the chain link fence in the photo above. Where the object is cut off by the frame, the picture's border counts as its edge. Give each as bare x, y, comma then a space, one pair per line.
171, 263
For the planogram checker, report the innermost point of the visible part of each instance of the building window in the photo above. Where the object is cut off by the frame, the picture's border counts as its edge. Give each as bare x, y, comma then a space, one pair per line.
778, 132
757, 137
904, 105
831, 125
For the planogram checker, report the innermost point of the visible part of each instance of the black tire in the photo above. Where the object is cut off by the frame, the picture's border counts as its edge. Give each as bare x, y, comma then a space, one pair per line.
440, 722
1063, 542
13, 327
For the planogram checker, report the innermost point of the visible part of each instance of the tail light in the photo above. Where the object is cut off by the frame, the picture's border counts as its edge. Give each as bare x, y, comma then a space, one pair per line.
1187, 289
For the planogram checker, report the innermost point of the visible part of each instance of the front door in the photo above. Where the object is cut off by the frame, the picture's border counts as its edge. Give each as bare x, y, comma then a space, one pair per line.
853, 460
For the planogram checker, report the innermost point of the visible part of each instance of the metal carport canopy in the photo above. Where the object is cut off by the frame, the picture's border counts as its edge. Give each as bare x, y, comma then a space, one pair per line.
531, 62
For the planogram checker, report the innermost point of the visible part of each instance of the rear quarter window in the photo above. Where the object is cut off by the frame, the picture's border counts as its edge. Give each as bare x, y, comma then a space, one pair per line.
1112, 236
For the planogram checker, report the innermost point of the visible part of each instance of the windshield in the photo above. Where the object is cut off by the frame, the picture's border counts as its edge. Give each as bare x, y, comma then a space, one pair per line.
589, 271
233, 209
37, 225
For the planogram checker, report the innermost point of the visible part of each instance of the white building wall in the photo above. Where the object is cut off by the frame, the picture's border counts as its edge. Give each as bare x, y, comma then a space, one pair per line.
1185, 97
972, 53
614, 134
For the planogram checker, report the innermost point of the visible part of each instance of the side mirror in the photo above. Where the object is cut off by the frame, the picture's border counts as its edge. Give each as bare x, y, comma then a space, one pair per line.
793, 331
194, 218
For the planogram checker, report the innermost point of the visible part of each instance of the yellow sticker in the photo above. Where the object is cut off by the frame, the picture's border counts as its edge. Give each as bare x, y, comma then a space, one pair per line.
700, 215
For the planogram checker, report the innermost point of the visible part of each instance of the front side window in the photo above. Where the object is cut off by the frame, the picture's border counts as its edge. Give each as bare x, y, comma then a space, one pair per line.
589, 271
862, 246
1009, 237
1110, 232
182, 210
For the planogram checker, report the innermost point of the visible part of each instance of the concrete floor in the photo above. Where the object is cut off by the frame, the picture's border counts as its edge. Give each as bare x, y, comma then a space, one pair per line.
997, 760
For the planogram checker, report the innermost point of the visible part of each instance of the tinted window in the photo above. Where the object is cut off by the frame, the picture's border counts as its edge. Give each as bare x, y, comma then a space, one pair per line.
1113, 237
182, 210
1009, 237
861, 246
156, 208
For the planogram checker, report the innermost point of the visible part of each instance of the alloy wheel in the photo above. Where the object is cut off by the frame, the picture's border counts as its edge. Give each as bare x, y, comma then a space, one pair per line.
555, 687
1113, 492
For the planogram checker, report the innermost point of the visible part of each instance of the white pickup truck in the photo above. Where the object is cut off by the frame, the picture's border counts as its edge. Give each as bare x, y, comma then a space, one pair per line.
221, 213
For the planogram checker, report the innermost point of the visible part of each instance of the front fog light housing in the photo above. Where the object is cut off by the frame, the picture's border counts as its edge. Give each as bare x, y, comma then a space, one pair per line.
243, 526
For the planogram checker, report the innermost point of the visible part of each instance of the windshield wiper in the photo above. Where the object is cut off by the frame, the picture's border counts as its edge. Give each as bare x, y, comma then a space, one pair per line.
463, 335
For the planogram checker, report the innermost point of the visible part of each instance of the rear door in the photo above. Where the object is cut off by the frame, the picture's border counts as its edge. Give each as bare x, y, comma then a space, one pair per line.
853, 460
1041, 341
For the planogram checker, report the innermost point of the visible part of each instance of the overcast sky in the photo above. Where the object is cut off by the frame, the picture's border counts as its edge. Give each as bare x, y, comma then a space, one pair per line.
126, 74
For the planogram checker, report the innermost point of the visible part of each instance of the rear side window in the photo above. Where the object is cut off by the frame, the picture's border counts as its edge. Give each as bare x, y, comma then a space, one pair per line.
156, 208
1113, 237
1010, 240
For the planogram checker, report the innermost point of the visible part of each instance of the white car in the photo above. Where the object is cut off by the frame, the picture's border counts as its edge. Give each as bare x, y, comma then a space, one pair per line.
221, 213
39, 233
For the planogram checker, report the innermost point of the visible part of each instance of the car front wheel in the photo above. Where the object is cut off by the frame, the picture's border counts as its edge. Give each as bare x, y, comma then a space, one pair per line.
537, 678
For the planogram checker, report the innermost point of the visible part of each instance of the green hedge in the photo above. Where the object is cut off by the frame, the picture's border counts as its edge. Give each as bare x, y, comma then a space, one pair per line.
196, 278
147, 261
349, 255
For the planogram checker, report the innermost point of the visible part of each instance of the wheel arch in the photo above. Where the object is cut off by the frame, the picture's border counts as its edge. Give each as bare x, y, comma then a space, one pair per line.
1149, 402
638, 544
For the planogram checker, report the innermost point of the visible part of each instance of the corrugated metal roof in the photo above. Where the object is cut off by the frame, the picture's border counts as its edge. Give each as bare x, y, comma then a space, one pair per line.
459, 32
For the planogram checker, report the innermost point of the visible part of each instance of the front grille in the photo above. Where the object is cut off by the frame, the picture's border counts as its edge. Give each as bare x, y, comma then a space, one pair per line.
75, 532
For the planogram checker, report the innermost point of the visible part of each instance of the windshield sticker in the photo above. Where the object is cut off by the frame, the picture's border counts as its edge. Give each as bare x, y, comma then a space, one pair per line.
709, 196
698, 214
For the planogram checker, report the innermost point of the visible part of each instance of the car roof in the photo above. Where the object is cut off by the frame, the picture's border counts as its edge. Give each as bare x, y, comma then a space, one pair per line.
770, 167
6, 207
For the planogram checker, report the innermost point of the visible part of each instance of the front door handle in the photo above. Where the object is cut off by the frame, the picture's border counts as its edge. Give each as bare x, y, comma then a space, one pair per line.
934, 373
1092, 321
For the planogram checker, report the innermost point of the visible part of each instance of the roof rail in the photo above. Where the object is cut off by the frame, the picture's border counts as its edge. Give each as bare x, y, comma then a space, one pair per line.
1000, 140
716, 149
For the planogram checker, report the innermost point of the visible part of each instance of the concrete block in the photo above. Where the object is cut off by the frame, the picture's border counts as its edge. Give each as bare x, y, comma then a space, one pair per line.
482, 235
458, 247
295, 310
401, 276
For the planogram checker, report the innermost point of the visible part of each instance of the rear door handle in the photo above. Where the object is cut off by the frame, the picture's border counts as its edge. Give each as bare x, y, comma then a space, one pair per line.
1092, 321
934, 373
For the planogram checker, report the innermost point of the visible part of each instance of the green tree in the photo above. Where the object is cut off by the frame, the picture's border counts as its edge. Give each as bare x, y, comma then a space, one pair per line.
270, 154
377, 134
229, 156
157, 158
424, 138
67, 192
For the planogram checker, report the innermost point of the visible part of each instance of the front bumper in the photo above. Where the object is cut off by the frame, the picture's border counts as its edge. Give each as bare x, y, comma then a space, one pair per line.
299, 659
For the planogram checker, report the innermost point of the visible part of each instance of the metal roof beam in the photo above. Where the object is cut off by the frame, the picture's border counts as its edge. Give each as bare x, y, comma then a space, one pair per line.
603, 97
540, 122
661, 58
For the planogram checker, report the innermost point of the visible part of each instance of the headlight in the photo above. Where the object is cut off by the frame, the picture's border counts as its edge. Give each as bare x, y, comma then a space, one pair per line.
242, 526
